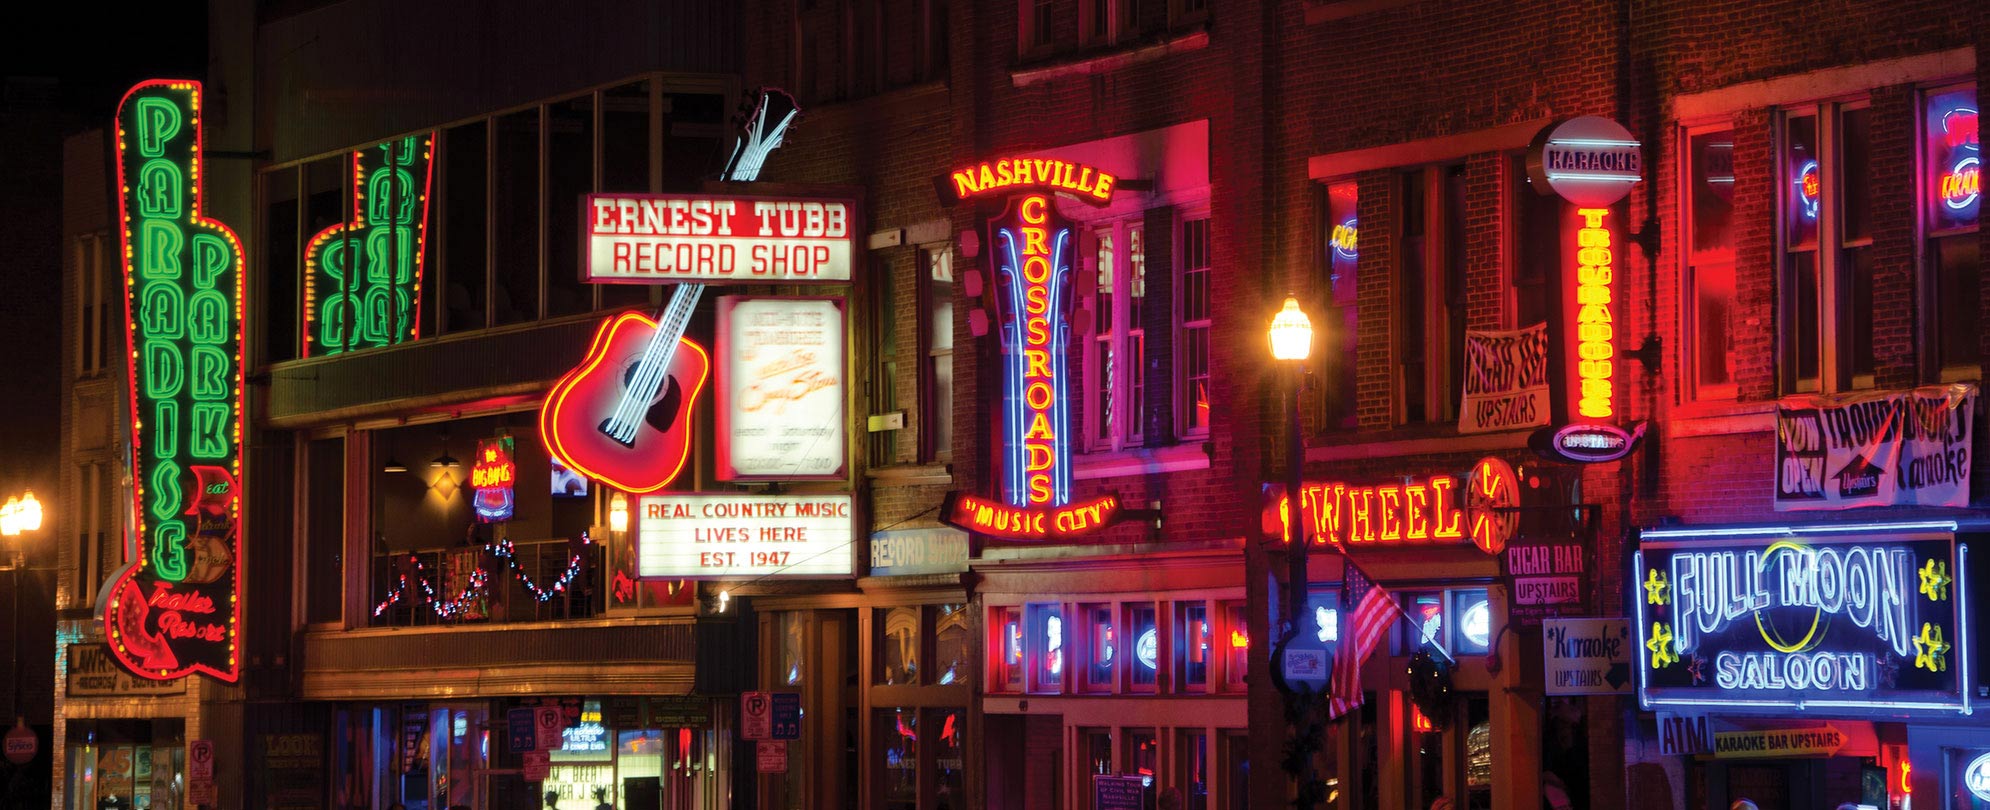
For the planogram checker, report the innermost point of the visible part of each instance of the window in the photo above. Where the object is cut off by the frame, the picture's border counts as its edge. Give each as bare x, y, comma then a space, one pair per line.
916, 776
1236, 645
1100, 646
1952, 160
1710, 311
793, 627
883, 383
100, 304
949, 644
1144, 663
97, 553
1472, 632
1115, 359
1537, 247
1192, 347
899, 730
465, 227
1430, 314
1826, 310
277, 330
1097, 744
1006, 661
1036, 26
1340, 256
515, 220
1143, 759
897, 641
936, 342
1191, 646
324, 522
1046, 649
1192, 774
570, 173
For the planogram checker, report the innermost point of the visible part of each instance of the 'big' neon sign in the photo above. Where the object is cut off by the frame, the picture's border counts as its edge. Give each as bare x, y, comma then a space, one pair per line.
1033, 244
1594, 326
176, 610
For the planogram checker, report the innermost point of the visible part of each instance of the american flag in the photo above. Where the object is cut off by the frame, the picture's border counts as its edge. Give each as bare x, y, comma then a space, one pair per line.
1366, 624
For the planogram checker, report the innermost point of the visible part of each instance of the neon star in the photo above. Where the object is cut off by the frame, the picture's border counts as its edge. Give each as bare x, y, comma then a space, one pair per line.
1935, 580
1928, 649
1660, 645
1655, 588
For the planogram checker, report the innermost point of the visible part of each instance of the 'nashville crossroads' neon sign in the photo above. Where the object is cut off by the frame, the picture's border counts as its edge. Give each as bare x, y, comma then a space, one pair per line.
1847, 621
176, 610
1031, 247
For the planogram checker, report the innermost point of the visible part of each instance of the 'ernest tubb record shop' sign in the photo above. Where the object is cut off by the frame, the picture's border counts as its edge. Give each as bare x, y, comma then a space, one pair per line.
1830, 622
176, 610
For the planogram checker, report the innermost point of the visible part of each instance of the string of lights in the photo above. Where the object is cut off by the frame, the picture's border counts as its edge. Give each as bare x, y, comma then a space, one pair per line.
480, 579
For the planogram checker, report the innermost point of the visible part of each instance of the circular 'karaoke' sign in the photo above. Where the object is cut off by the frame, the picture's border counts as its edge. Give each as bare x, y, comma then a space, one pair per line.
1590, 161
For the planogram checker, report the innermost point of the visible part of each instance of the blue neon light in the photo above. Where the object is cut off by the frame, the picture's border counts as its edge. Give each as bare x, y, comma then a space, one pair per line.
1015, 425
1809, 201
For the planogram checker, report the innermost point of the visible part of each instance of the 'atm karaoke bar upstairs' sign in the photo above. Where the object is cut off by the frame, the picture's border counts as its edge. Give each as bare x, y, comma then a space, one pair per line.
1835, 621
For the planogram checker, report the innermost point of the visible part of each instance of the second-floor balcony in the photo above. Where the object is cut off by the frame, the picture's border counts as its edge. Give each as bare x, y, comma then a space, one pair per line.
497, 583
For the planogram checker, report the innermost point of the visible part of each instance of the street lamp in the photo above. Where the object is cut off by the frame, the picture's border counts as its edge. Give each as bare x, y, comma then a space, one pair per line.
1291, 338
20, 515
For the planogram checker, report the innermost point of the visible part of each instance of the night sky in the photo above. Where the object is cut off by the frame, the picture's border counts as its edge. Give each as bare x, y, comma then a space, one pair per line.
62, 76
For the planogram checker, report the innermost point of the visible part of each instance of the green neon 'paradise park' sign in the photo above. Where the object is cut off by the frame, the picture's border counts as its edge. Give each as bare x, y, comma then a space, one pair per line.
364, 275
175, 610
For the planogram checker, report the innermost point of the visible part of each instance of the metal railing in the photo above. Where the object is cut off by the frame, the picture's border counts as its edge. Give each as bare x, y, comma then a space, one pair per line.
535, 581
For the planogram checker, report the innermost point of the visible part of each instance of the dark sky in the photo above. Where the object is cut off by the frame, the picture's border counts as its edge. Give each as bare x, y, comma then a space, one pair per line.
63, 74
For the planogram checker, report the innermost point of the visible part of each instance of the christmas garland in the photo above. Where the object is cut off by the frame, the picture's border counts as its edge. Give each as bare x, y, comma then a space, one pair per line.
480, 579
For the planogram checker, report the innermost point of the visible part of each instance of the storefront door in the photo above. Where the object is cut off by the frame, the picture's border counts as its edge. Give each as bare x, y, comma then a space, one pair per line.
505, 790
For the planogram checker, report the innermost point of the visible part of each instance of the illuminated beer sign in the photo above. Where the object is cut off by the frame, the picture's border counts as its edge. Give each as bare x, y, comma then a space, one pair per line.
176, 610
654, 238
1953, 150
1020, 174
494, 479
1833, 621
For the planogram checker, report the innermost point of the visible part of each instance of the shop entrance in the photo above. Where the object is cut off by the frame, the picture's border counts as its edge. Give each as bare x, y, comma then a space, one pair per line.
505, 790
1023, 755
1795, 784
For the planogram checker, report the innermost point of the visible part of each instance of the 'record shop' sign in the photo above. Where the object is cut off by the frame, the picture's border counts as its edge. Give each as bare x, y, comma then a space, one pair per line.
716, 239
781, 391
744, 535
1875, 448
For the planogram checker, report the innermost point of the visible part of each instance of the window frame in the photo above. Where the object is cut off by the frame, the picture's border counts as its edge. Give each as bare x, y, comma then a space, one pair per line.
1183, 394
1440, 397
1834, 304
1690, 269
1125, 426
1933, 367
926, 395
1035, 37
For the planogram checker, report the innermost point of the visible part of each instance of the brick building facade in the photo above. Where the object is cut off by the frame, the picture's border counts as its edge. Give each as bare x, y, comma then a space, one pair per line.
1256, 142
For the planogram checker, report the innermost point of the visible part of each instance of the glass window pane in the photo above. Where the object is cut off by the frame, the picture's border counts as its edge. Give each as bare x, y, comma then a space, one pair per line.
1712, 327
465, 158
1805, 332
1341, 322
1713, 194
937, 321
1007, 648
1958, 281
947, 727
1410, 299
793, 655
1047, 651
1191, 645
898, 736
516, 296
625, 166
1192, 780
1427, 612
1142, 758
1236, 644
1804, 181
1101, 647
279, 269
1953, 155
949, 643
1855, 175
1857, 266
1145, 660
1097, 750
695, 126
1475, 622
898, 645
569, 175
1131, 363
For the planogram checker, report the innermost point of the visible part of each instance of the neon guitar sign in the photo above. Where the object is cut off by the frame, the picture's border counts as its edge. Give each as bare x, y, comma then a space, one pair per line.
623, 415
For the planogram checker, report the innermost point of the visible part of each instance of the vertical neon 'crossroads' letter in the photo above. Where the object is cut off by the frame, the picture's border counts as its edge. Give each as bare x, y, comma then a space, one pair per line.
1033, 245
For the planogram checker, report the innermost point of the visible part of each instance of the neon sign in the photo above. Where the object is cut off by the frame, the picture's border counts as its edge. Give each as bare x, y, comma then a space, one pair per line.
1343, 240
1034, 246
1590, 161
364, 276
1810, 189
1594, 326
176, 610
1822, 622
1975, 777
1956, 155
1414, 511
493, 479
1019, 174
1006, 522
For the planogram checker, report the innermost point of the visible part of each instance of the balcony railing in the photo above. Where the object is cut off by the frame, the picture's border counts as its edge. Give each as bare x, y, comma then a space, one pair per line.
546, 580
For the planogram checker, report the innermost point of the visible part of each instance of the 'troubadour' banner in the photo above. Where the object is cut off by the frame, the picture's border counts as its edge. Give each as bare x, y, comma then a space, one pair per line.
1875, 448
1506, 380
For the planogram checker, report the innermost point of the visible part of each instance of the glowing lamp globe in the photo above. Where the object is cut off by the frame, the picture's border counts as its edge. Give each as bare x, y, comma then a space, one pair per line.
1291, 333
29, 518
618, 513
